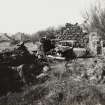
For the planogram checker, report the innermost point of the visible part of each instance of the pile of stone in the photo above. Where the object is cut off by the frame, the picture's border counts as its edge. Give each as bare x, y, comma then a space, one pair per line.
73, 32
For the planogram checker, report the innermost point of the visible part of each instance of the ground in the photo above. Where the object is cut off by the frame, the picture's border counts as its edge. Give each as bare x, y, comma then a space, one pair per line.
65, 86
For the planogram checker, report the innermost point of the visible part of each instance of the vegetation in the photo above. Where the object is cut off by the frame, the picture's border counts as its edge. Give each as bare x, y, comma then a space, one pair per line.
49, 33
82, 82
95, 20
68, 87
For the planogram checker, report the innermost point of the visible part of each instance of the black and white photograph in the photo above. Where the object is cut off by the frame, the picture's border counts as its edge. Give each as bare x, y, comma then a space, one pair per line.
52, 52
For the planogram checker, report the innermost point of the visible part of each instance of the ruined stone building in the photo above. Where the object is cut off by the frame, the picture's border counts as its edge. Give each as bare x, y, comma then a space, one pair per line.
73, 32
96, 43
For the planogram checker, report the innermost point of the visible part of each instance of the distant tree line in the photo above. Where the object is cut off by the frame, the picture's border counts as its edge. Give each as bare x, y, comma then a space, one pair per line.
49, 33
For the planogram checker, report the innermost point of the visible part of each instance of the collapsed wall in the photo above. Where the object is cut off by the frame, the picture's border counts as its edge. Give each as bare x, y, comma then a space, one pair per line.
73, 32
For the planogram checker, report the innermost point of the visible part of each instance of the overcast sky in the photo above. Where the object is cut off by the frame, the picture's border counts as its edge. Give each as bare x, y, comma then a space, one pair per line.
32, 15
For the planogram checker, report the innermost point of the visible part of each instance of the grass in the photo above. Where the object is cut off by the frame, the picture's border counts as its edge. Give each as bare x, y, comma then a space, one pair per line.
64, 87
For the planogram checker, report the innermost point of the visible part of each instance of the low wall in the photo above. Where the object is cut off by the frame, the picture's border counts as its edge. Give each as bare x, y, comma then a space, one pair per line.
103, 51
79, 51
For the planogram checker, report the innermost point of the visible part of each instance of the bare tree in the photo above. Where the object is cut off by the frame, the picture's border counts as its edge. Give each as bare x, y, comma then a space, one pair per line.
94, 20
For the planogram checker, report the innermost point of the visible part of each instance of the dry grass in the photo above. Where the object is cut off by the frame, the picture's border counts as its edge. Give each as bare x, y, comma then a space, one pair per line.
62, 88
